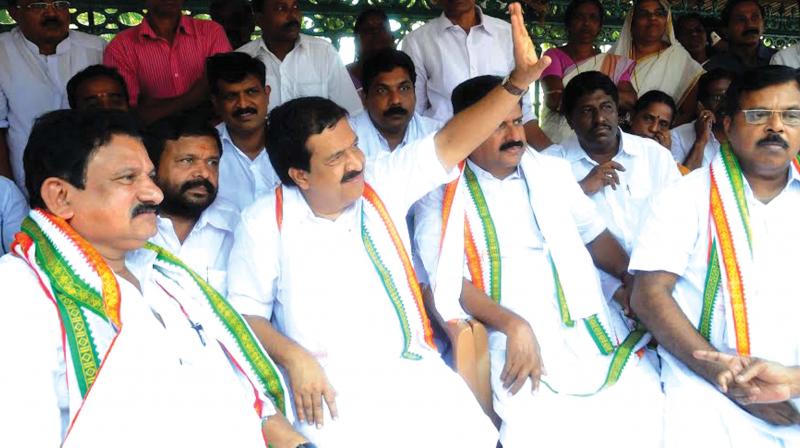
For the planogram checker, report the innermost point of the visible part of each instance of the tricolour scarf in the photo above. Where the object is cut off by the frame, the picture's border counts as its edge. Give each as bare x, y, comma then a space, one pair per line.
729, 276
571, 266
86, 295
387, 252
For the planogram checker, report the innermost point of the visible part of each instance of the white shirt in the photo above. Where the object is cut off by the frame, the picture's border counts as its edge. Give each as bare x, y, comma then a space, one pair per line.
242, 180
445, 55
13, 209
32, 84
789, 56
648, 168
203, 385
312, 297
312, 68
373, 143
684, 136
674, 238
207, 246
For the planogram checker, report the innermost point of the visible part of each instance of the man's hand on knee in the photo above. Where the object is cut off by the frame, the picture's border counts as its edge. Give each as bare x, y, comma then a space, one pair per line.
523, 357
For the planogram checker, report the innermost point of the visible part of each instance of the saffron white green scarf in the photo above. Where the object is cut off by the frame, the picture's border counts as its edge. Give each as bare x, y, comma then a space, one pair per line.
86, 295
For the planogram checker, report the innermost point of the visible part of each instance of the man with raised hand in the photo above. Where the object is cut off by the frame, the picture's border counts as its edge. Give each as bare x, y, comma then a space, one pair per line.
514, 243
326, 259
715, 272
122, 341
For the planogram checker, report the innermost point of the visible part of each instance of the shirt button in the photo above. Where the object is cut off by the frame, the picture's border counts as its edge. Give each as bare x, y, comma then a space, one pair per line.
176, 75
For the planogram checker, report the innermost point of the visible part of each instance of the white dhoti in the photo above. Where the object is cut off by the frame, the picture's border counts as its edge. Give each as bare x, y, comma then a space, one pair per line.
374, 399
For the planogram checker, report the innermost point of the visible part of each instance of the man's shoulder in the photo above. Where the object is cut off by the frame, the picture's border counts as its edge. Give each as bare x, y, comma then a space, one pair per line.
787, 55
317, 45
263, 212
125, 37
428, 30
223, 214
87, 40
495, 24
8, 36
18, 280
251, 47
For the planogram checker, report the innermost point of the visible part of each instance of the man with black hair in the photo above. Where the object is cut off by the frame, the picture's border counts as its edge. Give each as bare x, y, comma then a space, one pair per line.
691, 33
122, 340
97, 86
240, 97
695, 144
652, 117
372, 33
37, 58
193, 223
715, 270
515, 243
617, 170
325, 258
298, 65
744, 22
236, 18
390, 120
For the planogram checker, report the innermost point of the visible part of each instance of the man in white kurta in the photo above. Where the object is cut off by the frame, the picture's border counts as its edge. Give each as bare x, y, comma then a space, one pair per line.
789, 56
528, 195
148, 354
674, 253
627, 169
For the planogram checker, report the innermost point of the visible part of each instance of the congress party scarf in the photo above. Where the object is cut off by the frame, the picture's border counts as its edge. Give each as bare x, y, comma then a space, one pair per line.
86, 294
730, 251
389, 256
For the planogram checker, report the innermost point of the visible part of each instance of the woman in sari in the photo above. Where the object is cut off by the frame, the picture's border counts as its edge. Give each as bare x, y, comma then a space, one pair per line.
583, 20
662, 63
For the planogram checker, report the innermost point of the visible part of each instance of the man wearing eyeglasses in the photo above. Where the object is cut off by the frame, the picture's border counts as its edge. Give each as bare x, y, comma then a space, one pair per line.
695, 144
716, 270
37, 58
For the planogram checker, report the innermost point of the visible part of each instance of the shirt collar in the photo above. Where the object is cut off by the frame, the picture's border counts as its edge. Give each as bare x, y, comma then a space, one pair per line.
485, 175
62, 47
227, 143
445, 23
302, 41
574, 151
220, 214
185, 26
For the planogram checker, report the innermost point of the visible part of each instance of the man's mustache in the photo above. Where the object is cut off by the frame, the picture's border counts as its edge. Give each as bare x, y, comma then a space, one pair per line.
245, 110
144, 208
751, 31
773, 139
395, 110
48, 21
351, 175
205, 183
291, 25
511, 144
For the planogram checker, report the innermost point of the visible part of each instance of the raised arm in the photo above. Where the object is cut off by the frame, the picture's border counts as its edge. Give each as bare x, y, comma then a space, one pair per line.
468, 129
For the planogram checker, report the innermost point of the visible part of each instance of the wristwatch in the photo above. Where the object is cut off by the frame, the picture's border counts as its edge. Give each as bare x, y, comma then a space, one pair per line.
512, 89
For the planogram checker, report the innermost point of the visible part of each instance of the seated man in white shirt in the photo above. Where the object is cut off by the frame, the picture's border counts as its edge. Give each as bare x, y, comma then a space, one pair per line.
298, 65
193, 222
122, 341
520, 213
715, 270
13, 209
461, 44
695, 144
390, 120
37, 58
240, 98
617, 170
326, 259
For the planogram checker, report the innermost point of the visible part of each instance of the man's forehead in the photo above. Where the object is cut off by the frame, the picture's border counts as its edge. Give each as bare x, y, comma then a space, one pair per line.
192, 144
249, 81
101, 82
121, 151
785, 94
331, 140
397, 75
596, 96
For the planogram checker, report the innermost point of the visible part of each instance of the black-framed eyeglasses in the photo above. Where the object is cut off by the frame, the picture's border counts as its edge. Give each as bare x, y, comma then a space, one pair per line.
789, 117
41, 6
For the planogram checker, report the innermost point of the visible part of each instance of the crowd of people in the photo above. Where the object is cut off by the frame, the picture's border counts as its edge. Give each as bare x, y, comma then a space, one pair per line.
265, 247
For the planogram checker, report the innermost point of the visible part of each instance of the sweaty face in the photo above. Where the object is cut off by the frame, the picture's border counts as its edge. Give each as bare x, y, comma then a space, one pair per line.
691, 34
41, 26
335, 177
501, 152
100, 93
652, 121
745, 25
649, 21
164, 8
188, 173
584, 26
280, 20
390, 100
594, 120
242, 105
117, 208
374, 35
765, 148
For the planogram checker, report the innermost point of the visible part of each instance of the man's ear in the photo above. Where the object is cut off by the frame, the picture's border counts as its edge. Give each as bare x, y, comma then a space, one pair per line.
56, 194
726, 123
300, 178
